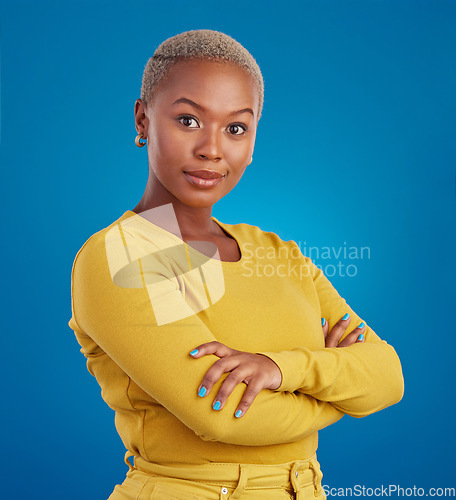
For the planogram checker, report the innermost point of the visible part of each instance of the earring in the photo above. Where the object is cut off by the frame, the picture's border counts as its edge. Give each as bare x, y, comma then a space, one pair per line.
250, 161
139, 144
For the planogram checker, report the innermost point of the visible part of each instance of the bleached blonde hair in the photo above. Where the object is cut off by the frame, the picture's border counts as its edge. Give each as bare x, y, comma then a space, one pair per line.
202, 44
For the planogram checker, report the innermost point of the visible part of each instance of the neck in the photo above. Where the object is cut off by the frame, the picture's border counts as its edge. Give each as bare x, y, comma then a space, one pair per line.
192, 221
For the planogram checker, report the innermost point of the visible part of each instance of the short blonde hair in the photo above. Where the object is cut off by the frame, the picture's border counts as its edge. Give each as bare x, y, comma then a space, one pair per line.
200, 44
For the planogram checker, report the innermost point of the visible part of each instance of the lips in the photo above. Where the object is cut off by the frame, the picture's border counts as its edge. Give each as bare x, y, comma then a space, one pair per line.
196, 178
204, 174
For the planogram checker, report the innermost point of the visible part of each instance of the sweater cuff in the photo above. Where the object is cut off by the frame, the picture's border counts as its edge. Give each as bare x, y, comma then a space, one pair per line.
294, 365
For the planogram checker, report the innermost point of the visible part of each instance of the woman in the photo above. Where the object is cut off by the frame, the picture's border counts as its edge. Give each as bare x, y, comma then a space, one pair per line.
221, 348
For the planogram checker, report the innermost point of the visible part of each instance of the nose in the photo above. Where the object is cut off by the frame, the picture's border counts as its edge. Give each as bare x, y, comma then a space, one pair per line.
209, 147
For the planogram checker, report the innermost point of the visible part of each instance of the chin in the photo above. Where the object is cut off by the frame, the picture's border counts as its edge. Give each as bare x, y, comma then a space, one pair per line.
199, 198
197, 202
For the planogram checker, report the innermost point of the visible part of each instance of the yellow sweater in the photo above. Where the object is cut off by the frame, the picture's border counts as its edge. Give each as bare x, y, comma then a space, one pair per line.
142, 299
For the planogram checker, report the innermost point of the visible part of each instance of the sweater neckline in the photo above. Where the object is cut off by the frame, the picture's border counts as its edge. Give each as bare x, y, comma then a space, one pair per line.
228, 228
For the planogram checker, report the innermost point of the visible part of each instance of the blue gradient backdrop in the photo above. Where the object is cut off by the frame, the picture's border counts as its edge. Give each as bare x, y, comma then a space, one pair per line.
356, 148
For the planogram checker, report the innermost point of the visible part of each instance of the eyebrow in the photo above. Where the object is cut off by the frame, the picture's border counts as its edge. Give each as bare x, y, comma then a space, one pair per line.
201, 108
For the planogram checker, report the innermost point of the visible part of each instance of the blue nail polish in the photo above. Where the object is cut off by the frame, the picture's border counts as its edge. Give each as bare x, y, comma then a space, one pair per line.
217, 405
202, 392
346, 316
361, 337
323, 321
362, 325
238, 414
195, 351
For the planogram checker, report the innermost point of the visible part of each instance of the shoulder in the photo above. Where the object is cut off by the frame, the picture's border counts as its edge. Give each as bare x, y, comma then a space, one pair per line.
257, 237
127, 249
93, 252
98, 238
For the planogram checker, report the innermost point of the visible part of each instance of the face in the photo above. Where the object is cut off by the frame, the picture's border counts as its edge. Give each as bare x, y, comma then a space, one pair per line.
199, 120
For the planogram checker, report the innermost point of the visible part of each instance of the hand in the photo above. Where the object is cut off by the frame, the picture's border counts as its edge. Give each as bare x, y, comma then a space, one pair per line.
332, 339
255, 370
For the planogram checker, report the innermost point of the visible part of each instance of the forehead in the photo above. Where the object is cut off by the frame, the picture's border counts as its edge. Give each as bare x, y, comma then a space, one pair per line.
216, 84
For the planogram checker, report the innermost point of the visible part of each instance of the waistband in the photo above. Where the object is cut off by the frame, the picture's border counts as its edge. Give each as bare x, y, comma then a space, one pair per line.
291, 475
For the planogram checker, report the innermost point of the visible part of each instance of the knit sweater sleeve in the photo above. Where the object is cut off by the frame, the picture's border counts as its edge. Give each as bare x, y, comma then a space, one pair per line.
134, 309
360, 379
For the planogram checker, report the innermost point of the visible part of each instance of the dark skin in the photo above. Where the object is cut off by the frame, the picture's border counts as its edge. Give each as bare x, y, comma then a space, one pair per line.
210, 139
214, 131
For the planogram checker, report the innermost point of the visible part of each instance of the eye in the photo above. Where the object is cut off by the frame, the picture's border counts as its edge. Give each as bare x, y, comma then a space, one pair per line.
187, 119
236, 128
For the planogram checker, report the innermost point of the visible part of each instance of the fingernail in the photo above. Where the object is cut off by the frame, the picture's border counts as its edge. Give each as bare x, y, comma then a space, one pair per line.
202, 392
361, 337
323, 321
217, 405
346, 316
195, 351
362, 325
238, 414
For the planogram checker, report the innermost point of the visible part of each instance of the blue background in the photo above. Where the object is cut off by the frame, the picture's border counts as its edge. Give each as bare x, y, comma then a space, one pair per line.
356, 147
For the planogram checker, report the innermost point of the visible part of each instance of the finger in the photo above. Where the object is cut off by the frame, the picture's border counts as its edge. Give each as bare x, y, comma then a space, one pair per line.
213, 347
325, 326
362, 335
249, 396
232, 380
333, 337
214, 373
353, 337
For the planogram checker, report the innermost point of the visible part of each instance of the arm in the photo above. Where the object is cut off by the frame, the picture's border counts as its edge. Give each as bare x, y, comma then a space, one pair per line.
136, 329
360, 379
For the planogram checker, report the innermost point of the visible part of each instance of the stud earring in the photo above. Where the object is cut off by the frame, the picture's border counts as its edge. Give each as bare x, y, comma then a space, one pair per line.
250, 161
139, 144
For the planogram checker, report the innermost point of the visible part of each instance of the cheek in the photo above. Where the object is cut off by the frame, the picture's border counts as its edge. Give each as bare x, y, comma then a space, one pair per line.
237, 154
238, 158
166, 152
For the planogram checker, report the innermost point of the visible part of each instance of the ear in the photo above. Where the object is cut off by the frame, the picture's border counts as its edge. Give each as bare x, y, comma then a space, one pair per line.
141, 119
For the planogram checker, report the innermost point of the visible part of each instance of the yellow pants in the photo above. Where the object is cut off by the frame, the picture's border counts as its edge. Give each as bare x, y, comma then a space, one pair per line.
299, 479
